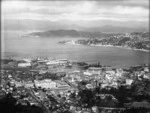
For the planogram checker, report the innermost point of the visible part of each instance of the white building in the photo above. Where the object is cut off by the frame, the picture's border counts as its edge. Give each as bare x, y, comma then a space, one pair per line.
146, 69
129, 81
63, 61
53, 62
24, 64
111, 72
89, 86
46, 83
18, 84
119, 72
29, 84
57, 62
61, 84
95, 70
12, 82
87, 73
9, 76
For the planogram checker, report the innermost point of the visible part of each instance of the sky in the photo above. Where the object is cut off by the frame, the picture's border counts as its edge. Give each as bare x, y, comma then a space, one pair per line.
80, 14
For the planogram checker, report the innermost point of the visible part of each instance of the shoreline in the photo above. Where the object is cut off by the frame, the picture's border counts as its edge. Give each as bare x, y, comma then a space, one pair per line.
122, 47
99, 45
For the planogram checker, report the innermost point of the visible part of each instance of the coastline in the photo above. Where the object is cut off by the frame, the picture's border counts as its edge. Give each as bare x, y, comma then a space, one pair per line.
99, 45
122, 47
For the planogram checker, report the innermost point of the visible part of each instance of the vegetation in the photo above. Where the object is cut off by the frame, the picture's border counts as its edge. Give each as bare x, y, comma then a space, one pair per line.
8, 104
139, 91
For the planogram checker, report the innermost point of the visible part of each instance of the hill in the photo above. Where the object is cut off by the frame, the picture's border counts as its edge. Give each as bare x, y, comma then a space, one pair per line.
70, 33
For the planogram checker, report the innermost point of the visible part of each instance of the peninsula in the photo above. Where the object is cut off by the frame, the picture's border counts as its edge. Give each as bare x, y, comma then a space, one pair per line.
135, 41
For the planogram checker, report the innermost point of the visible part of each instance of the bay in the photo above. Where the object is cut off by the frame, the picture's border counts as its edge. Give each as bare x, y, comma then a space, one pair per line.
18, 47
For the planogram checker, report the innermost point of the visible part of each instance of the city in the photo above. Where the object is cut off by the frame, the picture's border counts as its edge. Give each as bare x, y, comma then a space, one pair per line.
75, 56
58, 85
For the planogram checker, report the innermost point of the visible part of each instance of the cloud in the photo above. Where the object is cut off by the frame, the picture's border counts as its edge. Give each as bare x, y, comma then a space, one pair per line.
87, 11
75, 12
129, 3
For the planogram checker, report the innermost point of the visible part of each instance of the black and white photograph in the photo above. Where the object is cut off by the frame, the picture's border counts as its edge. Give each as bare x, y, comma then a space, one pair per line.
75, 56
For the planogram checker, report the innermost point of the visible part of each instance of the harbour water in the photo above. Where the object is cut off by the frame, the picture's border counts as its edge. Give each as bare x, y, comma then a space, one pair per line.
23, 47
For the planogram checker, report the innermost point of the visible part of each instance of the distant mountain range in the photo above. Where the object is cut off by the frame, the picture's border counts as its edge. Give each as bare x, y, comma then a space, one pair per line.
70, 33
94, 26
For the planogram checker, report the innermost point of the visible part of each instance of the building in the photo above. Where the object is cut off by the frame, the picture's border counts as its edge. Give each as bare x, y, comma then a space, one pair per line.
29, 84
95, 109
24, 64
119, 72
94, 70
63, 61
46, 83
27, 60
53, 62
146, 69
89, 86
57, 62
61, 84
129, 81
18, 84
87, 73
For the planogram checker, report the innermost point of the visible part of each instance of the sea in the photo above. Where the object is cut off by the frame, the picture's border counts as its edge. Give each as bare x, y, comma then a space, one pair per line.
13, 45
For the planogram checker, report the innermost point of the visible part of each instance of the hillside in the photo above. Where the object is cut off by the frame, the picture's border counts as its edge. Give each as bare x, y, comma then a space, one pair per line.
70, 33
